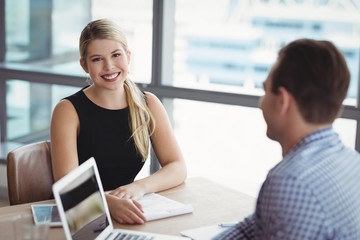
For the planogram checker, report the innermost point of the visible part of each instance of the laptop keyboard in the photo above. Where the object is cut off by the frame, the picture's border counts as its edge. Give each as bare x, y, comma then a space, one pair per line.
130, 236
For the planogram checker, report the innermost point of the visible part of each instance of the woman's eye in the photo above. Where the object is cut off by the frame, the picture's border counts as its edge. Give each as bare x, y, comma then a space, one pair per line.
117, 54
96, 59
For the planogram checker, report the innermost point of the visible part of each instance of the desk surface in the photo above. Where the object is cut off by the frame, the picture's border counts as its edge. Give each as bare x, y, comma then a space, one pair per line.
212, 203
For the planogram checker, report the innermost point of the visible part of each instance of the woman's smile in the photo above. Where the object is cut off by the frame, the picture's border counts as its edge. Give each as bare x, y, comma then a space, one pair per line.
111, 77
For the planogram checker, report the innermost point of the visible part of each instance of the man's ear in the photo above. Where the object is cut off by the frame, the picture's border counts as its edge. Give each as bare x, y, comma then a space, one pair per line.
83, 65
284, 100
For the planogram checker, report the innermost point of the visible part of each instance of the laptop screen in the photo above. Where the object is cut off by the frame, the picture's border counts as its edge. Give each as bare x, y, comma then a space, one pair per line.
80, 199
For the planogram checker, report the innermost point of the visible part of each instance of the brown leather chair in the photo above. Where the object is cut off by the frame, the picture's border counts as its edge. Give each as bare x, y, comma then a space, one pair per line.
29, 173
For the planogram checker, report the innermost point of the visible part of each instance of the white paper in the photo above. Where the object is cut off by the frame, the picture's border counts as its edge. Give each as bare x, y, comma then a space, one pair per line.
203, 233
156, 206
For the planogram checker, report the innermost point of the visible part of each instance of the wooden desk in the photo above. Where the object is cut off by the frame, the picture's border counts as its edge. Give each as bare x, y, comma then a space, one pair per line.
212, 203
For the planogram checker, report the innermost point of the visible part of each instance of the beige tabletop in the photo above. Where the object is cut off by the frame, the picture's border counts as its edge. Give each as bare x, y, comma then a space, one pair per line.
212, 203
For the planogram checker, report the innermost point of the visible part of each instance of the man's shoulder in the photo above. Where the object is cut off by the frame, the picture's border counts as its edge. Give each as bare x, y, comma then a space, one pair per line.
317, 171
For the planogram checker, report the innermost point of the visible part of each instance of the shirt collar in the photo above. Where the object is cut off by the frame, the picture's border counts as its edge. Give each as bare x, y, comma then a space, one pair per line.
323, 135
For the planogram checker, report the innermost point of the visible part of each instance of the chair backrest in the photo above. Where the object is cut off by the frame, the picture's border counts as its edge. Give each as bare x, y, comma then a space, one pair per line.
29, 173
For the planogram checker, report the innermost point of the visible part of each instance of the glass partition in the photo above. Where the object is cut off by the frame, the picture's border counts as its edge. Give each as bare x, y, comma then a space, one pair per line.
135, 18
29, 107
231, 45
229, 144
227, 47
45, 34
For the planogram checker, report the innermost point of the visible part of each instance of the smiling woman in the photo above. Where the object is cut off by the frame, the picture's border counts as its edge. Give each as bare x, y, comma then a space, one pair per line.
114, 122
208, 76
106, 60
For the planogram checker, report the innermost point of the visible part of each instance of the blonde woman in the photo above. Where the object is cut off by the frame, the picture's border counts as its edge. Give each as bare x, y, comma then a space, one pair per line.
114, 122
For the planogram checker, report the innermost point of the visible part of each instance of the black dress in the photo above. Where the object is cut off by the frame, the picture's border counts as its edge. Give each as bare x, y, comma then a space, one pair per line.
105, 135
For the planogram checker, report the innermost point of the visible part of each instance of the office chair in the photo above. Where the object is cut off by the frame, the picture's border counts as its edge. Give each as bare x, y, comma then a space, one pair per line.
29, 173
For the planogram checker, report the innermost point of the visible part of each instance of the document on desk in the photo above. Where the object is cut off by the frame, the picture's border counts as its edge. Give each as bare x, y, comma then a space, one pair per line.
203, 233
156, 206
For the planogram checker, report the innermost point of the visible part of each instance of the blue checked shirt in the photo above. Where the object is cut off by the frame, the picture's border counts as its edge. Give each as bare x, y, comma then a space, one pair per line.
313, 193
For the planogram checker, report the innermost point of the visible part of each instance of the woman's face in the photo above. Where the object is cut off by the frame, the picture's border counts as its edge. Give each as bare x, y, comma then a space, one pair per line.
107, 63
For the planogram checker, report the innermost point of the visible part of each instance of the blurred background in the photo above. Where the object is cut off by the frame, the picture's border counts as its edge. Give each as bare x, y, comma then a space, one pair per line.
205, 59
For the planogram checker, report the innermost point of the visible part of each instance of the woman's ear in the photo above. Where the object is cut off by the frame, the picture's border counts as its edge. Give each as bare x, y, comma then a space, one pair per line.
128, 56
83, 65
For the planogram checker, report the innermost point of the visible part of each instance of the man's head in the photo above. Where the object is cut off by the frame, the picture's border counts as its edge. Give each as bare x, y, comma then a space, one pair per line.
312, 75
316, 74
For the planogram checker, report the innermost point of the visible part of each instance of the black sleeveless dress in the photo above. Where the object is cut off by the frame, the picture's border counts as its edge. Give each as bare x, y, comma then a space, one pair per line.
105, 135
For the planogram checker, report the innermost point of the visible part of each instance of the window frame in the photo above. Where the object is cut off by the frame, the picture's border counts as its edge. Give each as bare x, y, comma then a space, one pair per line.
162, 46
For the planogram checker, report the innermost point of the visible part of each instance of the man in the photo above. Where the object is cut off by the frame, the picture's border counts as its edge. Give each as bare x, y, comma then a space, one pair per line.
314, 192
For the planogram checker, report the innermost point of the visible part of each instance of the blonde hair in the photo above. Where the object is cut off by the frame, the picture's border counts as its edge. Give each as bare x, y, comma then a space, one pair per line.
142, 122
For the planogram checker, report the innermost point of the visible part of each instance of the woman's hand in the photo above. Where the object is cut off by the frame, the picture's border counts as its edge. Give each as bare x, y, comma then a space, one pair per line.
133, 191
127, 211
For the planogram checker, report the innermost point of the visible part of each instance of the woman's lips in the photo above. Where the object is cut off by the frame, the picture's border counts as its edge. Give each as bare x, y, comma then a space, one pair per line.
110, 77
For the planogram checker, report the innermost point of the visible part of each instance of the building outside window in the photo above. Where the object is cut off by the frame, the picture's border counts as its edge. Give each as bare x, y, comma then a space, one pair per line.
222, 52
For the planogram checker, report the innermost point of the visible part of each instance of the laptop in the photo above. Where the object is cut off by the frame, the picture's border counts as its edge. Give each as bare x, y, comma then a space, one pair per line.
83, 209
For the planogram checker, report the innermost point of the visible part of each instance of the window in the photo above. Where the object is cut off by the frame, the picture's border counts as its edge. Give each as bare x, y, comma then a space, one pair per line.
229, 144
46, 33
43, 36
208, 68
231, 45
29, 107
135, 18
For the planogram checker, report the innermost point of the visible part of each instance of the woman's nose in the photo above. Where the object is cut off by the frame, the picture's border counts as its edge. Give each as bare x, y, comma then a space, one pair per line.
108, 65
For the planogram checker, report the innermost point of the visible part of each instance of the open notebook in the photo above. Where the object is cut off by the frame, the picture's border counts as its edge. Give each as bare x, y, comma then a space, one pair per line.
83, 209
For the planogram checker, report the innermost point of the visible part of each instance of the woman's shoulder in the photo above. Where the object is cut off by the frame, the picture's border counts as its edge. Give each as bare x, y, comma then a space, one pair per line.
79, 94
64, 114
67, 103
64, 105
155, 105
151, 98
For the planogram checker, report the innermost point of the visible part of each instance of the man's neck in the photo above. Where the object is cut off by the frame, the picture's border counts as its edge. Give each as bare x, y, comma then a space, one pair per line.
295, 136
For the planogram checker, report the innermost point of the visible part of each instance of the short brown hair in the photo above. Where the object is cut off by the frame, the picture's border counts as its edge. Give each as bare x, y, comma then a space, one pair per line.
316, 74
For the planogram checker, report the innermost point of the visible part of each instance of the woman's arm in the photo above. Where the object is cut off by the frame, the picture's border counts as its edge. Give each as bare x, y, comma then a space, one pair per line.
63, 133
167, 150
